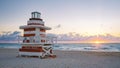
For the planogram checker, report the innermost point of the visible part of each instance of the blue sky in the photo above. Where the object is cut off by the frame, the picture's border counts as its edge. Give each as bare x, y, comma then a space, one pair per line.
83, 17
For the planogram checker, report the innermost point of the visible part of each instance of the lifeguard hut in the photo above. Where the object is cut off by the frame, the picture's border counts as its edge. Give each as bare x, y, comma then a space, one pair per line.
35, 41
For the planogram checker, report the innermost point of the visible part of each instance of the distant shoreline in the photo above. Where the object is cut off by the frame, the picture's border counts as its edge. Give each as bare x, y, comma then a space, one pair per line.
104, 47
94, 51
64, 43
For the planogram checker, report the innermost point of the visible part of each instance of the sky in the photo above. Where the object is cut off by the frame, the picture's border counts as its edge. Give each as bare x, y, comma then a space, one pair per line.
81, 18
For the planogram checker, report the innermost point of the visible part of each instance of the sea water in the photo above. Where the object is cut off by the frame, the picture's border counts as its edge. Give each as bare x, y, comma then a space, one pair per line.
108, 47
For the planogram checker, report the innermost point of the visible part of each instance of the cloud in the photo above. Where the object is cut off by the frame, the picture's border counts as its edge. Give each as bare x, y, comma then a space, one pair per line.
9, 36
58, 26
72, 36
51, 35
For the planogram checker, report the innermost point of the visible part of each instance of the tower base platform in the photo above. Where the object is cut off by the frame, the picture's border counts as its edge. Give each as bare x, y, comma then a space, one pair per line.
36, 51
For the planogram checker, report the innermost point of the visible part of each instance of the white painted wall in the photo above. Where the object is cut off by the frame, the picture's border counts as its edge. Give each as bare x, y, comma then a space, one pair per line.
37, 35
32, 32
35, 21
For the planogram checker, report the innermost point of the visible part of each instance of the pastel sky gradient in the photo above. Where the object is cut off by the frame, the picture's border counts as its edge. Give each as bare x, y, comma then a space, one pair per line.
84, 17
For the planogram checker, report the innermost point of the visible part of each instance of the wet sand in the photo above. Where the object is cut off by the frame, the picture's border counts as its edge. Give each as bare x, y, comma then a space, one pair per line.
64, 59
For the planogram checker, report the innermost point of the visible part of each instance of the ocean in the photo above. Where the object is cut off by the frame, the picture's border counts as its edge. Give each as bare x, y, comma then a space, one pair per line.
107, 47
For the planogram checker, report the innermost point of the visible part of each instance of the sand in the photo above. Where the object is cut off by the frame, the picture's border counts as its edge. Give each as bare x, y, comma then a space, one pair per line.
65, 59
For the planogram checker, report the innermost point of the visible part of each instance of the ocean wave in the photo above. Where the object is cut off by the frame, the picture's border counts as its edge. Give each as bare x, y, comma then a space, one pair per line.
75, 47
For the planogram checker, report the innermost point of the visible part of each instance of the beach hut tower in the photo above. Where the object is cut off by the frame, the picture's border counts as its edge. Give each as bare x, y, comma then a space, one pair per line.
35, 41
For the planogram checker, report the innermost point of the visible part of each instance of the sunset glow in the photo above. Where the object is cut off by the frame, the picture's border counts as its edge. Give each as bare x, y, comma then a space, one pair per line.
97, 42
99, 39
78, 20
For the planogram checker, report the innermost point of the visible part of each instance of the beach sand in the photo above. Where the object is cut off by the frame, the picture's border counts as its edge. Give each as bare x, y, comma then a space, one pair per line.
64, 59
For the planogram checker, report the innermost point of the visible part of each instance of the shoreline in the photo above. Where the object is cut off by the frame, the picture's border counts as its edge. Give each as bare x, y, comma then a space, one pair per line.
77, 47
76, 50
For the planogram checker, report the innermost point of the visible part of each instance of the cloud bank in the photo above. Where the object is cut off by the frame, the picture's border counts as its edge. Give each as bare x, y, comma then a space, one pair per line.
9, 36
81, 38
72, 36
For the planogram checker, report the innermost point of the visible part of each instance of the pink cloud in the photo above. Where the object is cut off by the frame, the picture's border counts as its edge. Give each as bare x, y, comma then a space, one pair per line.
13, 36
